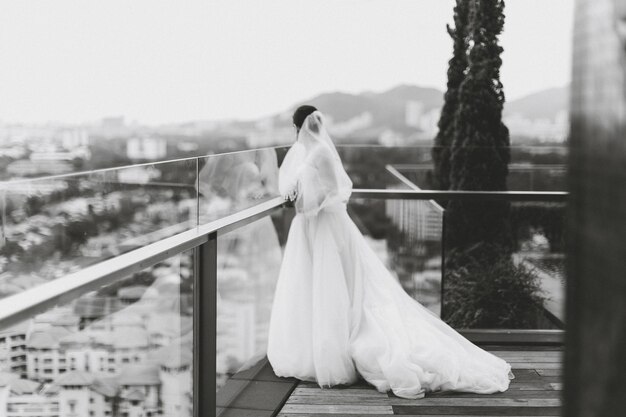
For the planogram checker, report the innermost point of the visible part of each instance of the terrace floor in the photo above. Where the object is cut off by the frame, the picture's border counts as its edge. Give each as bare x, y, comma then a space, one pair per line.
535, 391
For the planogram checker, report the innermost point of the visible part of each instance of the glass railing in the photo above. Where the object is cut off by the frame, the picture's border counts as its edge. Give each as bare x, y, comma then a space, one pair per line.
407, 236
521, 177
123, 349
59, 225
248, 264
233, 182
436, 256
56, 226
115, 330
504, 264
531, 168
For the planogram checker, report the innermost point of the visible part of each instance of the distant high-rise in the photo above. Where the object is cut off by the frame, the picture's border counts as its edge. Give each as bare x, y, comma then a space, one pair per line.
149, 148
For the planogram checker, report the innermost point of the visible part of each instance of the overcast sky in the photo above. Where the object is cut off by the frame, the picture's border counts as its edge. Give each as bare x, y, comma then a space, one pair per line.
159, 61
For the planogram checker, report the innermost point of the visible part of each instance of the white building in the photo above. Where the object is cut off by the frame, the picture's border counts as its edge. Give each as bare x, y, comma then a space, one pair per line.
413, 111
418, 220
150, 148
24, 398
74, 139
139, 390
79, 396
546, 129
176, 382
13, 348
45, 361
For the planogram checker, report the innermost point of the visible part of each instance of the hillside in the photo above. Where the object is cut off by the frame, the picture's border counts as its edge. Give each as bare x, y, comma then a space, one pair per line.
544, 104
389, 107
409, 114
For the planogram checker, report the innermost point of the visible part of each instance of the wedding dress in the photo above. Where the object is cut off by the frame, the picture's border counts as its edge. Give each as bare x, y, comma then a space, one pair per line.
339, 313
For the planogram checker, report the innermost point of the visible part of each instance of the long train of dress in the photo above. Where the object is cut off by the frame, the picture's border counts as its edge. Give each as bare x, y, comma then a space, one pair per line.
339, 313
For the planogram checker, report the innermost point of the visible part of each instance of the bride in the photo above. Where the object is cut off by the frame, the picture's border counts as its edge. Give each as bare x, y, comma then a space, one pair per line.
338, 313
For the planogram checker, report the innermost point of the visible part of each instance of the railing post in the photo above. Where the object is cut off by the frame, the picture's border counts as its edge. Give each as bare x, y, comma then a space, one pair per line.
204, 324
443, 261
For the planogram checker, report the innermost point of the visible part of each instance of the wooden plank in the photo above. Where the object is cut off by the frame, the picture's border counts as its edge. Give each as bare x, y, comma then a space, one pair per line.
476, 411
536, 359
540, 392
531, 386
525, 352
549, 372
525, 374
339, 392
336, 409
517, 337
527, 348
531, 358
358, 384
363, 400
534, 365
487, 401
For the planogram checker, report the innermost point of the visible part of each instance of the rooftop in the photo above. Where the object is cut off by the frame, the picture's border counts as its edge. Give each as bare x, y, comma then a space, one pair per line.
139, 375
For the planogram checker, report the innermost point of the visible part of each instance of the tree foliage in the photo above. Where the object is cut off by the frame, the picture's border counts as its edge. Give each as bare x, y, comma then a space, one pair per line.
499, 294
480, 147
484, 287
457, 67
480, 153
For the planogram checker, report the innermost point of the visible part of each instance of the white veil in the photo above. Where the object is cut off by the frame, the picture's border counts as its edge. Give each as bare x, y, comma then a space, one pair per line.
312, 170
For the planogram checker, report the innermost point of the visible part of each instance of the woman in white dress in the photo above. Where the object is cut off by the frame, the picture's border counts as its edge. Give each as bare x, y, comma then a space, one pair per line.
338, 312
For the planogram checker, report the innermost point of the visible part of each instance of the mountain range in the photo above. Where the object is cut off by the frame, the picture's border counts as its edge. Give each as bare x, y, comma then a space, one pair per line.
392, 109
387, 107
543, 104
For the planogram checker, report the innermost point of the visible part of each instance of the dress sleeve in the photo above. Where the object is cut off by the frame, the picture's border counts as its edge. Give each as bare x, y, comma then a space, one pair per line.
323, 183
291, 171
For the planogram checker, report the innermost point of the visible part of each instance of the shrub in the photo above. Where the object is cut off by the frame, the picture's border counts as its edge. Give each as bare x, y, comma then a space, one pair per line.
487, 292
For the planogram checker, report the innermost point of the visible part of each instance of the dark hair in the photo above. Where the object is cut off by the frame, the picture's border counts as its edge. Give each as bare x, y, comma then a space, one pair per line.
300, 115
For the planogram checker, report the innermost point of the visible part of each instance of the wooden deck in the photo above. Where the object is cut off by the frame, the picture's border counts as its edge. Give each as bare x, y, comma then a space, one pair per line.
535, 391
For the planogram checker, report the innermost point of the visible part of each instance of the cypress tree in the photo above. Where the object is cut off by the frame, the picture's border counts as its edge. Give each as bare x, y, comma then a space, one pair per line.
457, 67
484, 288
480, 152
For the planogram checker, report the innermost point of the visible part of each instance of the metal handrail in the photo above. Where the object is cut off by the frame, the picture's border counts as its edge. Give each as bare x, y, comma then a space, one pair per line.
511, 166
390, 194
18, 307
203, 241
121, 167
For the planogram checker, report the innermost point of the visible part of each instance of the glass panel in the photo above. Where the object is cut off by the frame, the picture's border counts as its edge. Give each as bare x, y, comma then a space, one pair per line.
532, 168
122, 350
55, 226
406, 235
376, 166
539, 232
232, 182
248, 266
504, 265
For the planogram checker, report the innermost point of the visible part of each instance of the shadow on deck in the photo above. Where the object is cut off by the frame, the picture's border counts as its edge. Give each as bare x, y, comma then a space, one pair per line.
535, 391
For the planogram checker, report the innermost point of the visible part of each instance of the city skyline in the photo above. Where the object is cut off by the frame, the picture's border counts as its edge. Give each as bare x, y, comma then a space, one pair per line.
159, 63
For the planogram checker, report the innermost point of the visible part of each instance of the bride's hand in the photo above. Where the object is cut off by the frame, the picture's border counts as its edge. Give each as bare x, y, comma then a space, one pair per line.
291, 197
